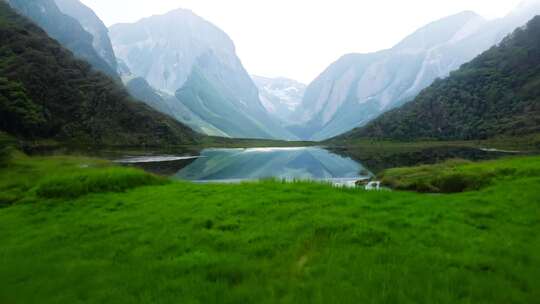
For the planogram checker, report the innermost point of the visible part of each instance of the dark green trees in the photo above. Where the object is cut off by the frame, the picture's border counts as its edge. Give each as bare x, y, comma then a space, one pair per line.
20, 115
498, 93
45, 93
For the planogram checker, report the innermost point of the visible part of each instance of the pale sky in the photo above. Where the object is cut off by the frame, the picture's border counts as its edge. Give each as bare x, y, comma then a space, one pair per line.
300, 38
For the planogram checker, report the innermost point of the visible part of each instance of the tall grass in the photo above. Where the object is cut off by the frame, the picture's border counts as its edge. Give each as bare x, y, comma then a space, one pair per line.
5, 149
95, 181
455, 176
267, 242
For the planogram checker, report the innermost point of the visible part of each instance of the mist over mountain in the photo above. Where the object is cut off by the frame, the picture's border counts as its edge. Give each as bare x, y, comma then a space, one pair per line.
187, 68
183, 55
67, 29
360, 87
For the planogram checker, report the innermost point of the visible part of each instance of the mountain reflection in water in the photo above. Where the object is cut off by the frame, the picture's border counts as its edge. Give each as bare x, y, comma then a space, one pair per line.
311, 163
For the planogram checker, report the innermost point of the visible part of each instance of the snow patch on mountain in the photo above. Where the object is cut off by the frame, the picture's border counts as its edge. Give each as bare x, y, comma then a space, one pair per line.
281, 97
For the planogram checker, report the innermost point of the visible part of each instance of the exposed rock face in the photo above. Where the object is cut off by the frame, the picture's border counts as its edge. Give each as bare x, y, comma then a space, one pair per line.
495, 94
168, 104
183, 55
359, 87
163, 49
48, 94
280, 96
65, 29
93, 25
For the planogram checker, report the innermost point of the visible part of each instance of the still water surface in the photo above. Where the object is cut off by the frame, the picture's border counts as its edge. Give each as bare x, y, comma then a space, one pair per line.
237, 165
304, 163
233, 165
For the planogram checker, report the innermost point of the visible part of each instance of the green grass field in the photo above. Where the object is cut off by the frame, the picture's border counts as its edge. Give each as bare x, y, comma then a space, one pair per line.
76, 230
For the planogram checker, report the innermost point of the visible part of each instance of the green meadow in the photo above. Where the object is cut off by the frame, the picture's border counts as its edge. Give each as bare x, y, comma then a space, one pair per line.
80, 230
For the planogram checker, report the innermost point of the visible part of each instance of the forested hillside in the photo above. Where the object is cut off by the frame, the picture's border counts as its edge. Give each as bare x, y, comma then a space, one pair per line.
45, 93
63, 28
498, 93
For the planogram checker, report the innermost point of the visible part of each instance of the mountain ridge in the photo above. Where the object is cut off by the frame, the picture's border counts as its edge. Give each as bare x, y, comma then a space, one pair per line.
63, 28
495, 94
91, 22
178, 49
359, 87
48, 94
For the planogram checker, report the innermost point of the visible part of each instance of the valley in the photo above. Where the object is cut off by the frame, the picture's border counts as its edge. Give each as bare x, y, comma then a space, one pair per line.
143, 158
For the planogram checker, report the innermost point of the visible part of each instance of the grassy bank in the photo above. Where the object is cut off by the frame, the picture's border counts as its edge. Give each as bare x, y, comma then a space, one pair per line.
380, 155
75, 230
459, 175
202, 143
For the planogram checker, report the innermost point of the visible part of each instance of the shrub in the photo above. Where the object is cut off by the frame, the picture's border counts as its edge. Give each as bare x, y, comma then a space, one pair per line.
96, 181
451, 176
459, 182
4, 155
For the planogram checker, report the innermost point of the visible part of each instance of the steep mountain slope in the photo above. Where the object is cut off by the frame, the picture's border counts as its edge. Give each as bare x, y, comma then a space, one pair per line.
170, 105
211, 99
497, 93
93, 25
163, 49
280, 96
45, 93
178, 50
360, 87
65, 29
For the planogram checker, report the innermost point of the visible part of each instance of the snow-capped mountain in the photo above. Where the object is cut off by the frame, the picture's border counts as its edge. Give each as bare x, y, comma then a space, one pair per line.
280, 96
185, 56
359, 87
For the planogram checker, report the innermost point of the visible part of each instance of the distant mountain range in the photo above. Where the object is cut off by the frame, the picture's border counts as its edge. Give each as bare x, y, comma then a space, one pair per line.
183, 55
497, 93
280, 96
187, 68
360, 87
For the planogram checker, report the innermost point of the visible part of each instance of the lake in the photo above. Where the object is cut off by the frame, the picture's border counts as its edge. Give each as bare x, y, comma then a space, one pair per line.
236, 165
340, 166
299, 163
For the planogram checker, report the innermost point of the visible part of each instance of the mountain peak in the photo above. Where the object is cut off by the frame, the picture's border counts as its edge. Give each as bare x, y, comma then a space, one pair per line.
180, 37
181, 11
